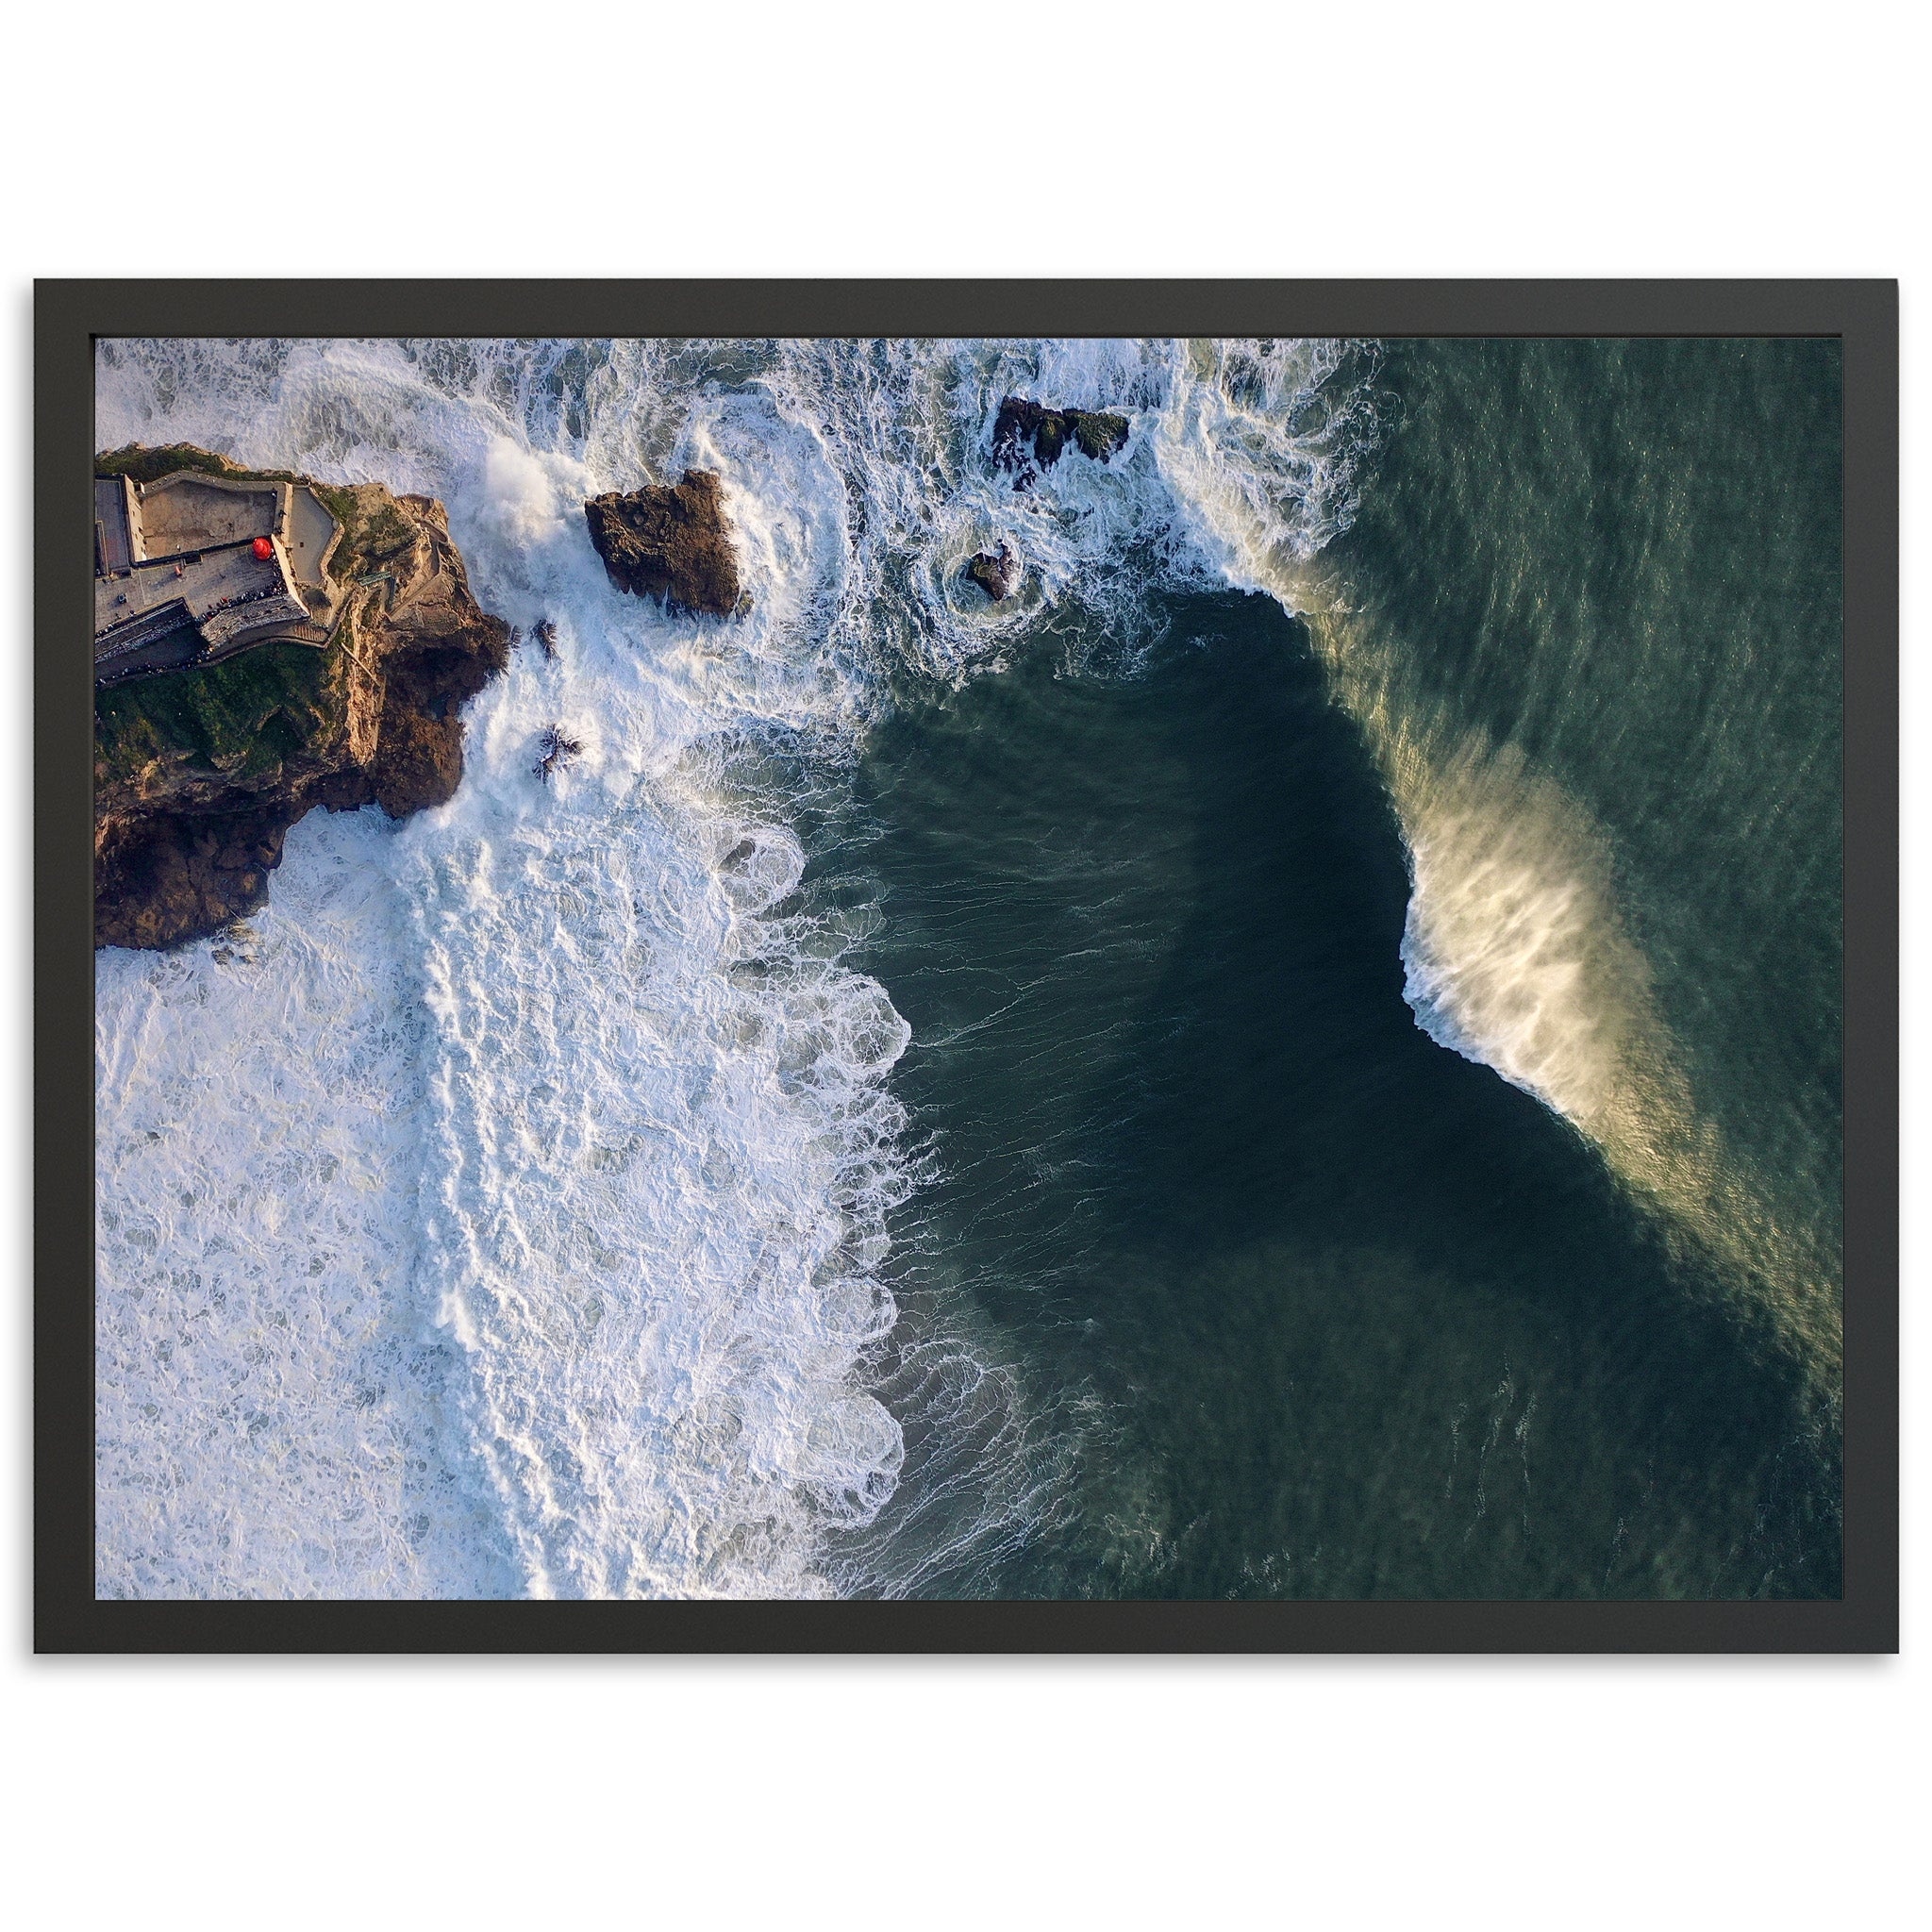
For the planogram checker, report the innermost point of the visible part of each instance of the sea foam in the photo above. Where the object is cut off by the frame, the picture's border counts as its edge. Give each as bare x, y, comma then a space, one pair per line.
272, 1417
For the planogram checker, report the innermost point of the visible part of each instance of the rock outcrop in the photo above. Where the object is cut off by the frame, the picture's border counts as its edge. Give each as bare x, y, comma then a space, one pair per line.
670, 540
1027, 434
556, 748
199, 774
996, 572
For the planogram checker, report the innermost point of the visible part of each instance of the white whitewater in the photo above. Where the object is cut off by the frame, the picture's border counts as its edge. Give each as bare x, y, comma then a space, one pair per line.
273, 1415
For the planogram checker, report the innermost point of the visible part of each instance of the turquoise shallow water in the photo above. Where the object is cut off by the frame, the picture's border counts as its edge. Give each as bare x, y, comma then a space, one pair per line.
1296, 1299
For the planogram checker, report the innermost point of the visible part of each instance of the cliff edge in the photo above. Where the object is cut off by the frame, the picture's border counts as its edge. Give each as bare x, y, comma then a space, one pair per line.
199, 774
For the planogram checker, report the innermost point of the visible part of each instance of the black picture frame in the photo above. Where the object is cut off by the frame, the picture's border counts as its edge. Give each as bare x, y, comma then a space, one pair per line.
71, 314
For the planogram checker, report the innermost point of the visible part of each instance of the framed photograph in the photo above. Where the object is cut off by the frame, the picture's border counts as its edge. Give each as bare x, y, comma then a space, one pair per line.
966, 967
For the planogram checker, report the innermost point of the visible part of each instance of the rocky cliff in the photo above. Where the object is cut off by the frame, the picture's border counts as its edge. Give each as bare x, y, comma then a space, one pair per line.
669, 541
199, 774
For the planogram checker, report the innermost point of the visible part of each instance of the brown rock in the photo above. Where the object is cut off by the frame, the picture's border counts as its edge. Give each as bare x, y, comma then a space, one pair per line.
669, 541
418, 760
996, 572
171, 879
1022, 425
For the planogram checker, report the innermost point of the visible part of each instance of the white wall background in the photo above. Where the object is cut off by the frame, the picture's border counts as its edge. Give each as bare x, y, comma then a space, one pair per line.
1648, 139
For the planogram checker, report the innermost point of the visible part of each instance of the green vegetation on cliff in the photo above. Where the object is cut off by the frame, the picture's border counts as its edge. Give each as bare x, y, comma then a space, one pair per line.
244, 716
145, 465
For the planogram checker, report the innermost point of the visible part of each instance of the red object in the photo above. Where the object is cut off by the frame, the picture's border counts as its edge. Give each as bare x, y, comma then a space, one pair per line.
263, 548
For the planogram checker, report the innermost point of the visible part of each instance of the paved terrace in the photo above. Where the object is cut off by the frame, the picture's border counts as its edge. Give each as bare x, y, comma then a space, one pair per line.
190, 511
220, 599
180, 581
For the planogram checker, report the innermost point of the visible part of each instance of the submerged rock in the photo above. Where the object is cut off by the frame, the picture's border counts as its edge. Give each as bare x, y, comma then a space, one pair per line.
199, 773
996, 572
1024, 425
669, 541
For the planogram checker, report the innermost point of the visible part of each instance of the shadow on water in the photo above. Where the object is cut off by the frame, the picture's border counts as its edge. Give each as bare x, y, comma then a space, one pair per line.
1314, 1306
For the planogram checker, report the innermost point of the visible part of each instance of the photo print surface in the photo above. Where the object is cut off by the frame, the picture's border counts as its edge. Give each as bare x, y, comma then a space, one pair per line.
978, 969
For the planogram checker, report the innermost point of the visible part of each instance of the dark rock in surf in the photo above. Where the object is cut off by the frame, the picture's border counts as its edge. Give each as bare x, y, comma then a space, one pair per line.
996, 572
670, 540
1024, 427
556, 748
419, 751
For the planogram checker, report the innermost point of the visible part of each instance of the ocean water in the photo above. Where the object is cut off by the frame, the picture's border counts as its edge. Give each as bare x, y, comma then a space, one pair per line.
1295, 1057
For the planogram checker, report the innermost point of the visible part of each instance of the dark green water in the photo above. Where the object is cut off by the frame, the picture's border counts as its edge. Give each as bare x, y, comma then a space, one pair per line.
1280, 1296
1624, 559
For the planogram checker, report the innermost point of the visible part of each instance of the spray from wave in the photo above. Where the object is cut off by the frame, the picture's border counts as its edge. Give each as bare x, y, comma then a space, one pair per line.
1516, 954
